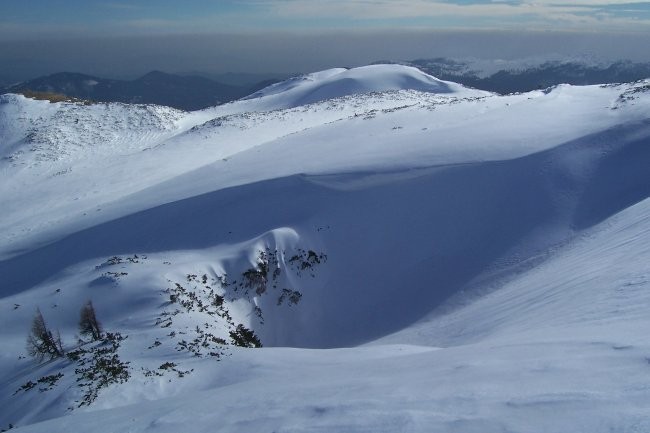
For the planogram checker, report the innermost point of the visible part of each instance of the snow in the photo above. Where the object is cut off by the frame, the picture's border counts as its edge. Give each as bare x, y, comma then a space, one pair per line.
334, 83
479, 261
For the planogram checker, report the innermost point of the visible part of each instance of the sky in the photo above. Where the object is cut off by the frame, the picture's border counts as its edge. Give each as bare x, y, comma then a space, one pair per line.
126, 38
30, 18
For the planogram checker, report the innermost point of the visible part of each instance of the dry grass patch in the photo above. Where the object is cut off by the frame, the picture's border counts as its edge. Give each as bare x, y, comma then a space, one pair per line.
53, 97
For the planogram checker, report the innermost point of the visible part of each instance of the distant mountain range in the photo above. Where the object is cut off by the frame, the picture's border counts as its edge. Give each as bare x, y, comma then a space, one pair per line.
184, 92
195, 92
530, 74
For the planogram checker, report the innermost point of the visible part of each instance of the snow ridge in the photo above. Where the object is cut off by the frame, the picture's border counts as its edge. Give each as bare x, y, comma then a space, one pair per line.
413, 255
335, 83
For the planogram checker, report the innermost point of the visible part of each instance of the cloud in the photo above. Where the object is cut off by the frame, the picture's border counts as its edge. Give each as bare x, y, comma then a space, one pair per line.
542, 14
309, 16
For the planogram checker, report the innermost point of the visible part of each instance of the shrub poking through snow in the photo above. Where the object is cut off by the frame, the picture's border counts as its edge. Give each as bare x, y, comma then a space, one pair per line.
267, 269
46, 383
88, 323
291, 296
41, 343
100, 366
97, 367
96, 362
306, 261
244, 337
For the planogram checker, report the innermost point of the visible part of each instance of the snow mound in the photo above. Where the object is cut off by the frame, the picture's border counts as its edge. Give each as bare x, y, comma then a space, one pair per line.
336, 83
32, 132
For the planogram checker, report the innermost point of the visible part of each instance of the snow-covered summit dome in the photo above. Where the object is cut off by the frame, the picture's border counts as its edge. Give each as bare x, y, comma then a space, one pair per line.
338, 82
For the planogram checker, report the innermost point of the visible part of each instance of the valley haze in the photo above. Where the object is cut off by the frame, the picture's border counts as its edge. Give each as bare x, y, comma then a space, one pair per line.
130, 56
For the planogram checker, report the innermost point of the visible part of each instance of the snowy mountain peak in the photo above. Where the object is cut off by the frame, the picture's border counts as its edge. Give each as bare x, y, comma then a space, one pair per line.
340, 82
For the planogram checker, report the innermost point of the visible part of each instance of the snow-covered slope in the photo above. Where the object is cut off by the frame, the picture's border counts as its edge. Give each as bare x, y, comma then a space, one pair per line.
334, 83
453, 260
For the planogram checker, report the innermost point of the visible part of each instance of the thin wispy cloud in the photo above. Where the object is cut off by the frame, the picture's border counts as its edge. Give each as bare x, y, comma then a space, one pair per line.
547, 14
302, 15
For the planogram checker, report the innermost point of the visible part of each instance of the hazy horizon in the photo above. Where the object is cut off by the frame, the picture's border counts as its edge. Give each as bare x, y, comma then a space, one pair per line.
120, 39
285, 52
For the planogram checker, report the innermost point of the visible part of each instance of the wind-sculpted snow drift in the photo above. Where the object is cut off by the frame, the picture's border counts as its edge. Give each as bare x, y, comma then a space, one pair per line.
482, 258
